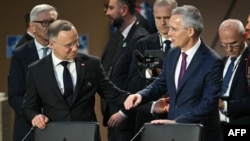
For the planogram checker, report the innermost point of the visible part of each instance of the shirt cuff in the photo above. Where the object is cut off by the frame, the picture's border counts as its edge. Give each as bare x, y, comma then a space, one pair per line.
225, 106
152, 108
147, 74
124, 115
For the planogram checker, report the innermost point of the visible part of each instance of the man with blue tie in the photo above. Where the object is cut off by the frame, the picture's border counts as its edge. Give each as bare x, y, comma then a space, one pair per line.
194, 99
40, 18
235, 97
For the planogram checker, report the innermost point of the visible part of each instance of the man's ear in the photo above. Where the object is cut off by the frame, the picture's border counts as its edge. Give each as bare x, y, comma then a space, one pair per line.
124, 10
191, 31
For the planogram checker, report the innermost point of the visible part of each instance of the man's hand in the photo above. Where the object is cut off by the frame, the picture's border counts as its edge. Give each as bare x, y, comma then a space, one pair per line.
221, 104
132, 101
162, 105
115, 120
162, 121
40, 121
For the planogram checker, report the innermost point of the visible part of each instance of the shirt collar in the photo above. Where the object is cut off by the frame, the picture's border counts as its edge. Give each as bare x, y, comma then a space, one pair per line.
127, 29
56, 61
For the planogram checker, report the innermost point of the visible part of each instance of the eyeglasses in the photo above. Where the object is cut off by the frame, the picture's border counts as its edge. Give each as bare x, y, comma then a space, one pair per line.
70, 45
44, 23
235, 45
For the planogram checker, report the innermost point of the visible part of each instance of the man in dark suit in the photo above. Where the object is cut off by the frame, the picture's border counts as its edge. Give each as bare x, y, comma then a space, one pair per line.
157, 41
191, 76
29, 34
129, 30
41, 16
234, 104
66, 100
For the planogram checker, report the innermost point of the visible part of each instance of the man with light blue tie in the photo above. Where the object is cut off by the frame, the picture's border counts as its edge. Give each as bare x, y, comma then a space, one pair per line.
40, 18
194, 97
234, 106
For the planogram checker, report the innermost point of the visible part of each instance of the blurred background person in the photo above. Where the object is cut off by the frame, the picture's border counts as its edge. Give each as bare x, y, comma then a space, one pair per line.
234, 105
122, 15
248, 28
145, 9
41, 16
29, 34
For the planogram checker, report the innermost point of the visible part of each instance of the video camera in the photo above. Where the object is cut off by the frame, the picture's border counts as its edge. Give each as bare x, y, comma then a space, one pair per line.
152, 59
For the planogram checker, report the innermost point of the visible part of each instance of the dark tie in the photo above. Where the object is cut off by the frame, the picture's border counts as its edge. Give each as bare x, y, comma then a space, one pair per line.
67, 81
121, 41
167, 46
45, 49
183, 67
227, 77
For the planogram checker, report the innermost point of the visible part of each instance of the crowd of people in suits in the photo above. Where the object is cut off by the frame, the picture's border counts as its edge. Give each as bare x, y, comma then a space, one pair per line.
49, 80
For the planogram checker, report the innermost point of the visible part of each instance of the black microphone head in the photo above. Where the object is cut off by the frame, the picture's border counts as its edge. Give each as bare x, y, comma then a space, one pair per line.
138, 55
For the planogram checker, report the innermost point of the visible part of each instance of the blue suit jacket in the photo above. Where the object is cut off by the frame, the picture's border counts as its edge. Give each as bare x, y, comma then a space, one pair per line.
22, 57
196, 99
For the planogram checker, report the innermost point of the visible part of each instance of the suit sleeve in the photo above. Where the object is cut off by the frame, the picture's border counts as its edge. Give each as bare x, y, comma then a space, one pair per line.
32, 105
16, 82
109, 91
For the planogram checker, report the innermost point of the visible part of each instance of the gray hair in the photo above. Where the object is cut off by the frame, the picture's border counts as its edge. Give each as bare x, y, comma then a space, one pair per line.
171, 3
233, 23
57, 26
191, 17
40, 8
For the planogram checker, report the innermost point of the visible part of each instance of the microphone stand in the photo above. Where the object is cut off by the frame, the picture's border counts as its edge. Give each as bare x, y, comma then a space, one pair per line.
138, 133
31, 129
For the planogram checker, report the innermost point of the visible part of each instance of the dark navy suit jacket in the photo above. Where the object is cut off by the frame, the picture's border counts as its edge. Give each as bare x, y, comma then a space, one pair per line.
196, 99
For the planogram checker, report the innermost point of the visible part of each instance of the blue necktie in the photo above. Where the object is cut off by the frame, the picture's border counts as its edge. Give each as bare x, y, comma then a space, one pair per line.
45, 49
183, 67
67, 82
227, 77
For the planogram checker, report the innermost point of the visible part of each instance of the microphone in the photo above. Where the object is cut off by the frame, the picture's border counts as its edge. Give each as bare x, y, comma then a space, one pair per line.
31, 129
138, 133
138, 55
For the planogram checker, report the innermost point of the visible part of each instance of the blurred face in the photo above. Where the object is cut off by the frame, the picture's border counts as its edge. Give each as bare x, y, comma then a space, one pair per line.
162, 15
114, 12
40, 26
179, 34
105, 5
232, 41
65, 46
248, 27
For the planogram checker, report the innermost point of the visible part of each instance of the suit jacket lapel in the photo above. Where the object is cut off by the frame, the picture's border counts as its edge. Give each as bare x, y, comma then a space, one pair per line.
241, 66
52, 82
171, 68
195, 62
80, 69
125, 43
33, 55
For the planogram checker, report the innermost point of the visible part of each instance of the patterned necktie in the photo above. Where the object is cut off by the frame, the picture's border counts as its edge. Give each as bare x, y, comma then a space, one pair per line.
45, 49
227, 77
67, 80
183, 67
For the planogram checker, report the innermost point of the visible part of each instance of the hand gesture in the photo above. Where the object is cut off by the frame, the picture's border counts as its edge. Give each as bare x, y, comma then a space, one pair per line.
132, 101
162, 105
115, 120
